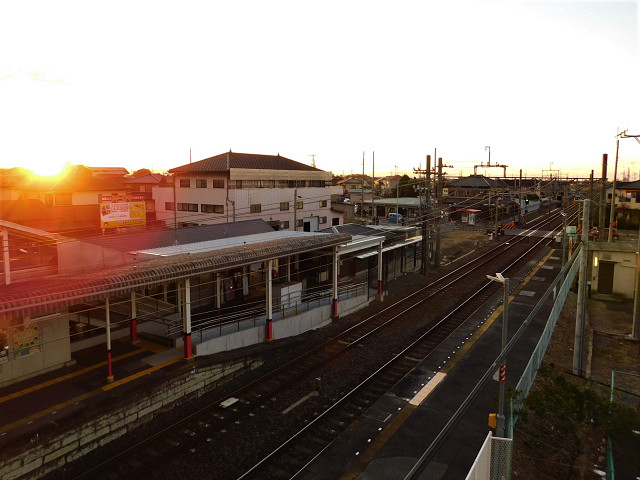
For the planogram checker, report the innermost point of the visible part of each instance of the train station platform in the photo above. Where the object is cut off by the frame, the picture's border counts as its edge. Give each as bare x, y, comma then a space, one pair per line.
390, 437
32, 407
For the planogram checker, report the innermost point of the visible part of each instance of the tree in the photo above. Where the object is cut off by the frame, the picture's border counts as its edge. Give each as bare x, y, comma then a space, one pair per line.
406, 187
141, 173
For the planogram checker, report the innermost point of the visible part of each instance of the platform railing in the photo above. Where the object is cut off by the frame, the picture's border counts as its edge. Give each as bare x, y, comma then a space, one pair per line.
236, 321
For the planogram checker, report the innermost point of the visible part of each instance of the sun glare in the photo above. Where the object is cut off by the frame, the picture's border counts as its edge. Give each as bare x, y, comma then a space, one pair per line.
47, 169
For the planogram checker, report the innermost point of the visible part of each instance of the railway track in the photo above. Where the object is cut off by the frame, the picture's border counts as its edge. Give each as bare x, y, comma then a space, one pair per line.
323, 413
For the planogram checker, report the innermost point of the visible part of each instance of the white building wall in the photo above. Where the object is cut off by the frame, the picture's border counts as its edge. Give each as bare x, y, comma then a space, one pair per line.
237, 206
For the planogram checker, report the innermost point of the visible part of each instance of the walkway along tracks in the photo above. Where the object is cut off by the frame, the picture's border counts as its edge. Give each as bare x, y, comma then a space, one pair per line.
203, 426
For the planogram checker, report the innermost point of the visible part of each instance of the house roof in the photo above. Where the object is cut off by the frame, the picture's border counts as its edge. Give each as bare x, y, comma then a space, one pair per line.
629, 185
151, 179
226, 161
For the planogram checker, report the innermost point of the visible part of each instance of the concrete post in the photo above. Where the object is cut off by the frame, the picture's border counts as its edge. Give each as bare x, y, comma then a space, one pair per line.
133, 323
218, 299
334, 283
108, 327
582, 295
186, 320
380, 295
268, 335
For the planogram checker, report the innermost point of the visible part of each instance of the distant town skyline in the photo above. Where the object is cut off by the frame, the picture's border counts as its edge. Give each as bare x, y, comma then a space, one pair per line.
547, 85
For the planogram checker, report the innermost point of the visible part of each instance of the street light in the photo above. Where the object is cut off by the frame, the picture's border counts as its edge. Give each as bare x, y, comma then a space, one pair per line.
500, 420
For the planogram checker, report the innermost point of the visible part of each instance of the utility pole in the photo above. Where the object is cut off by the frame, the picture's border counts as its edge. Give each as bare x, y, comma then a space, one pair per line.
496, 226
373, 186
423, 214
362, 190
521, 221
582, 295
613, 191
564, 227
426, 228
603, 197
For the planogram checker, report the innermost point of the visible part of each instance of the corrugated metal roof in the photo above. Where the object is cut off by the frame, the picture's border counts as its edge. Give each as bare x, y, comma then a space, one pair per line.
158, 238
225, 161
47, 296
355, 229
222, 243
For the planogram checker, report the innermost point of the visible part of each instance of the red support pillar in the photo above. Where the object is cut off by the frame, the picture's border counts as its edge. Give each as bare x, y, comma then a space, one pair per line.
109, 366
133, 330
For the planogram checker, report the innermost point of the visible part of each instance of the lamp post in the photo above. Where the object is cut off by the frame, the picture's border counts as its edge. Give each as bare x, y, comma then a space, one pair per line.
500, 419
397, 190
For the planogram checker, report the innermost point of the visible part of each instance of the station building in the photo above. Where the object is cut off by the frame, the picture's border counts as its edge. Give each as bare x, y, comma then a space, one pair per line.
201, 289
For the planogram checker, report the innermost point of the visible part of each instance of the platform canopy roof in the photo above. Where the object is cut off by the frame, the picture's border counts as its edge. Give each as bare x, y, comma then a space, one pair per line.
55, 294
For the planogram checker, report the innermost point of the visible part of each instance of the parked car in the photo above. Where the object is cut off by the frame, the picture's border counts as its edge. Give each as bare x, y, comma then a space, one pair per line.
395, 217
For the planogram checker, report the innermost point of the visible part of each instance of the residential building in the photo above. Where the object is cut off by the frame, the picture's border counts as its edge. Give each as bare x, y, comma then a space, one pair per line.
239, 186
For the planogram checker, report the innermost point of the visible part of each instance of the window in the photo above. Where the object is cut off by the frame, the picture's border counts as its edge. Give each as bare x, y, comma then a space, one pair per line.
284, 224
185, 182
323, 203
323, 220
63, 199
284, 206
217, 183
168, 205
187, 207
201, 183
299, 205
300, 223
206, 208
256, 208
238, 183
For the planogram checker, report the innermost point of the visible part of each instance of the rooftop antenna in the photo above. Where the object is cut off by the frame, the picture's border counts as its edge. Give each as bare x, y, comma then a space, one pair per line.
189, 154
313, 160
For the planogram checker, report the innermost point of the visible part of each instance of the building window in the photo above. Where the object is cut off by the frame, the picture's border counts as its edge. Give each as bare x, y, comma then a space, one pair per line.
185, 182
323, 203
201, 183
284, 224
238, 183
187, 207
168, 205
284, 206
256, 208
206, 208
63, 199
218, 183
299, 205
323, 220
300, 223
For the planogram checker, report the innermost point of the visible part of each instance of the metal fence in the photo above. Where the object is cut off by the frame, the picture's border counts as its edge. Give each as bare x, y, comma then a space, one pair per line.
493, 460
215, 325
529, 374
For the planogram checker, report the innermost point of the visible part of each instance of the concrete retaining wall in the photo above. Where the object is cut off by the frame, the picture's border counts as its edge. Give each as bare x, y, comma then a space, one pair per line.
287, 327
49, 454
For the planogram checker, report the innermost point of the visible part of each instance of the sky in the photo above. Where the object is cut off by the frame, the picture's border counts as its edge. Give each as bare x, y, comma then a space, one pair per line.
547, 85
